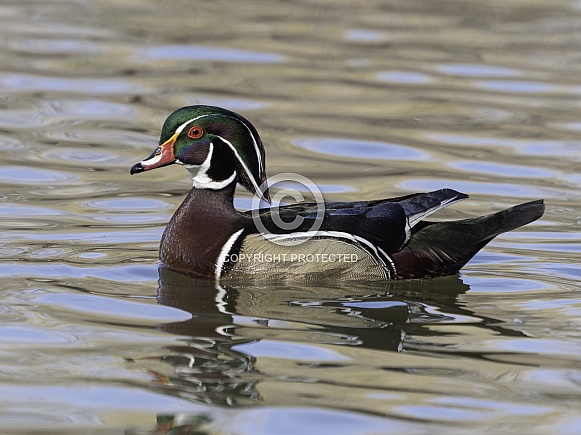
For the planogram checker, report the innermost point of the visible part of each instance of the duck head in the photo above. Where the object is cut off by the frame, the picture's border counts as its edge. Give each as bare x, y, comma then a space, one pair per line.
217, 146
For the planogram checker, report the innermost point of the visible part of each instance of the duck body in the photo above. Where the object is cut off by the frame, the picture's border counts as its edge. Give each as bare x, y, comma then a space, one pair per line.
365, 240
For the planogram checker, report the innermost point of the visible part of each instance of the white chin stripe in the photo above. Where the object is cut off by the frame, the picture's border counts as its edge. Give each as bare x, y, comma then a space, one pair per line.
201, 180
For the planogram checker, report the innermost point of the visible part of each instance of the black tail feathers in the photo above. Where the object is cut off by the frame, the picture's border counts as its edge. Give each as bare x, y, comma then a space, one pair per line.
443, 248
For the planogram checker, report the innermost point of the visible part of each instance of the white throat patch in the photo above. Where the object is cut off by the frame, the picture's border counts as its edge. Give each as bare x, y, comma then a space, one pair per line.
200, 178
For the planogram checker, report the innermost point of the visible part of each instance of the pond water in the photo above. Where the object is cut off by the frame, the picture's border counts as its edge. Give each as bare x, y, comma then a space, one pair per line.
369, 100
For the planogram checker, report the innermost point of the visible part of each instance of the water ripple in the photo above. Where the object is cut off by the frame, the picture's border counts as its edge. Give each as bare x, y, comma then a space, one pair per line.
80, 156
408, 77
198, 52
477, 70
531, 147
296, 351
27, 335
501, 169
360, 149
472, 187
111, 309
29, 83
54, 46
129, 205
35, 176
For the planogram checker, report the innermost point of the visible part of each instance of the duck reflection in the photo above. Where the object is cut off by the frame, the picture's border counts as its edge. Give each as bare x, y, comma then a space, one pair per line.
212, 364
371, 314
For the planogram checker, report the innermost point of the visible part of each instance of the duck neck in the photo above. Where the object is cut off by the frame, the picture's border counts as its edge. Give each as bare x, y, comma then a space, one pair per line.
198, 230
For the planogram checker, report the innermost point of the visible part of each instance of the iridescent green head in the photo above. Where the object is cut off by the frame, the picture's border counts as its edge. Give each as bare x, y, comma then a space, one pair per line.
217, 146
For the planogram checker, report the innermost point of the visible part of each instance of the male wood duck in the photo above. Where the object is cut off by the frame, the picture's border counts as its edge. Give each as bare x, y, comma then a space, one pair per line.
364, 240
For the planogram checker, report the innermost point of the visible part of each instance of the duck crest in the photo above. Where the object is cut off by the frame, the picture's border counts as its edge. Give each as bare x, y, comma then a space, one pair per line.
233, 132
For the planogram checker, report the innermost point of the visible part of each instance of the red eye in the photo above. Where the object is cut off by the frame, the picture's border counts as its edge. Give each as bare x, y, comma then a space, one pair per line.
196, 132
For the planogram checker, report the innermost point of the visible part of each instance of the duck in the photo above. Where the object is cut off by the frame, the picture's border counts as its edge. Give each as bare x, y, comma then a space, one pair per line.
382, 239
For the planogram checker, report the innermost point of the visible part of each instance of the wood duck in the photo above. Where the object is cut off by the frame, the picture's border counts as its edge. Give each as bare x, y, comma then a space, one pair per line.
364, 240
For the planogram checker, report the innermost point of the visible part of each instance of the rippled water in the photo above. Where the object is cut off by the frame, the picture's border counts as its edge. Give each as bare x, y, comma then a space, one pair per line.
367, 99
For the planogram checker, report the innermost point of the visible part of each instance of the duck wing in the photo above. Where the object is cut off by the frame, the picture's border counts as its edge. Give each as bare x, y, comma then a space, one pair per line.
387, 223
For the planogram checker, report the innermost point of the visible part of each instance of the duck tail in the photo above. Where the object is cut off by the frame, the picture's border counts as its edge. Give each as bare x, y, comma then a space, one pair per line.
443, 248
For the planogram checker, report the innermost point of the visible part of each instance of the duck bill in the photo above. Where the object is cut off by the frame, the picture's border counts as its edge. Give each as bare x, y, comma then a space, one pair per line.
162, 156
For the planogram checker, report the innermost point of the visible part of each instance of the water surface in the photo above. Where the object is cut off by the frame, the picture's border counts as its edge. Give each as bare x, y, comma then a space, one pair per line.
368, 100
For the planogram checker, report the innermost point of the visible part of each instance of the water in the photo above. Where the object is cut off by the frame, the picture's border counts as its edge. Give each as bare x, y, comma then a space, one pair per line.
367, 99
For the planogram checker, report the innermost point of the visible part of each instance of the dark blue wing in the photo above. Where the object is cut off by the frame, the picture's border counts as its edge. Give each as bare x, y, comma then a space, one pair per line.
386, 223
